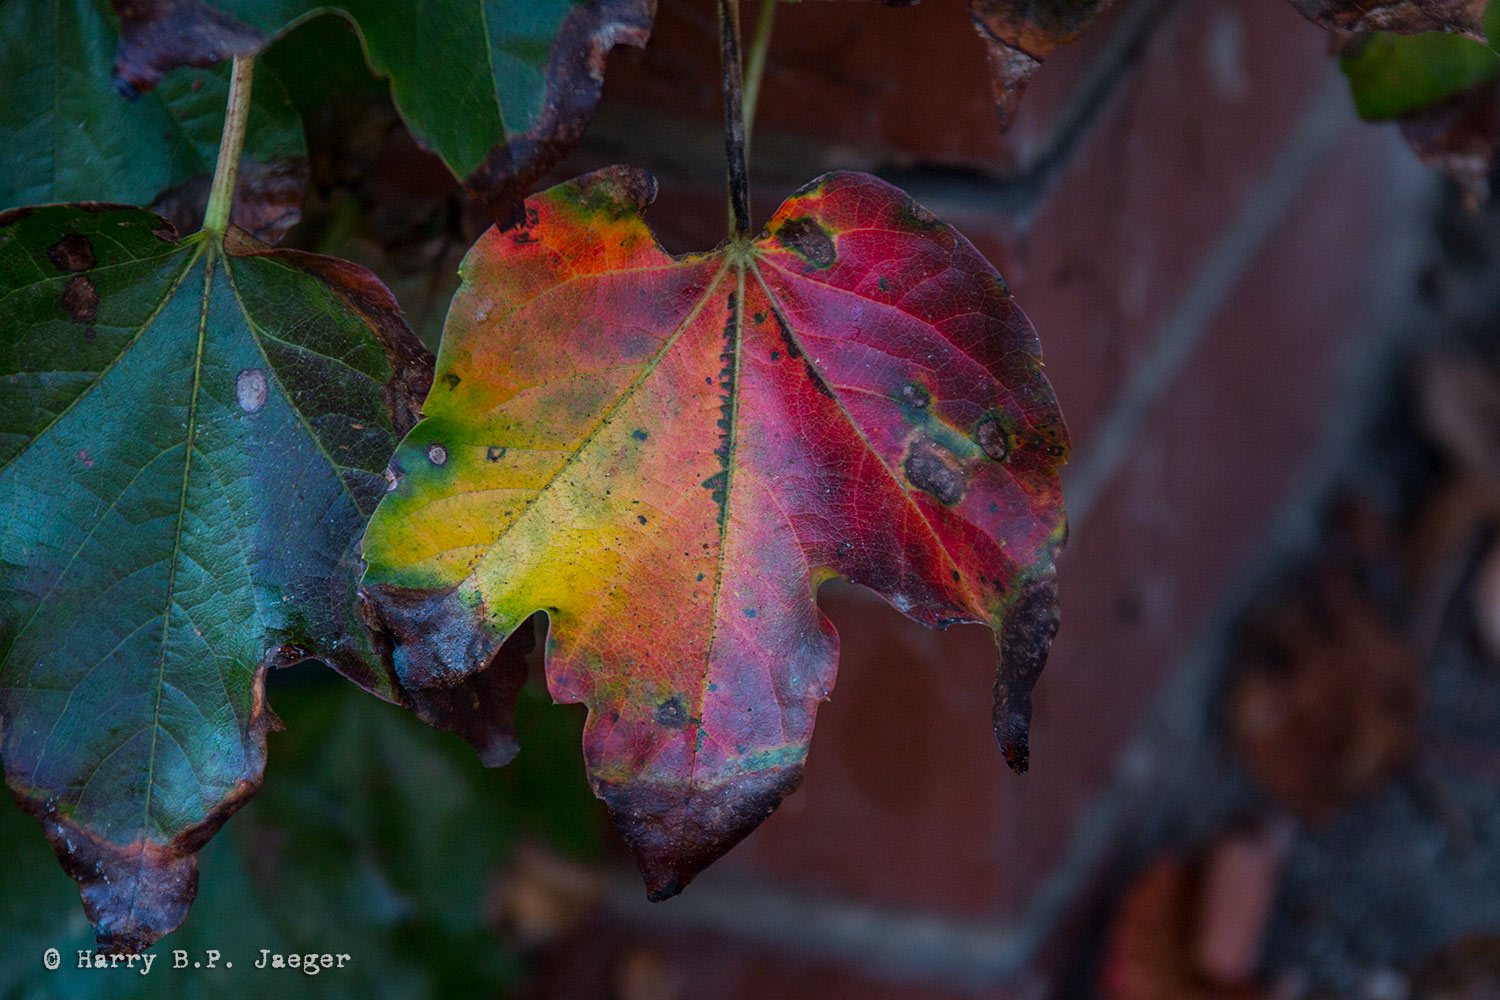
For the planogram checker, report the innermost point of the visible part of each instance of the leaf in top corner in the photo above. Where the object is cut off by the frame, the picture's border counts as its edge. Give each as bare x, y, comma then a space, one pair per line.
500, 90
191, 439
1442, 89
1391, 75
70, 137
668, 455
1019, 34
1403, 17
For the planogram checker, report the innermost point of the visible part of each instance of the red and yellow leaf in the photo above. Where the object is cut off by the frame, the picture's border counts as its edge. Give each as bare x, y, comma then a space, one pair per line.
667, 455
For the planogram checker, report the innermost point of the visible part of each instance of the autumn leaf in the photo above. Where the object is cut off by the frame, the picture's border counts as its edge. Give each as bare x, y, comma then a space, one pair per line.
192, 434
70, 137
668, 455
1019, 34
500, 92
1403, 17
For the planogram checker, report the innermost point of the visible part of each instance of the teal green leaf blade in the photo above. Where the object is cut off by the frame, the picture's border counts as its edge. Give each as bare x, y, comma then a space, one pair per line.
373, 837
192, 435
1391, 75
65, 135
500, 89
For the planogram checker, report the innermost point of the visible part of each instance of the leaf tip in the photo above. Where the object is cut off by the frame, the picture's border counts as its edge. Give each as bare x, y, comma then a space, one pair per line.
676, 830
1026, 631
133, 894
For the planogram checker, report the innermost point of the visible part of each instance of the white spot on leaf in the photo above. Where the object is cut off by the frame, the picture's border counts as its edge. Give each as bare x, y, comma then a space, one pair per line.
250, 390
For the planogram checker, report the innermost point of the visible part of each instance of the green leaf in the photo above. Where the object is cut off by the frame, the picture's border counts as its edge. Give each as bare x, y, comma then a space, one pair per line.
374, 836
192, 435
1391, 75
68, 136
500, 89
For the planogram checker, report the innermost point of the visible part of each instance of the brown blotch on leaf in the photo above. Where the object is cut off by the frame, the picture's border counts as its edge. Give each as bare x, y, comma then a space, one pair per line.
993, 439
671, 713
73, 252
676, 830
1027, 628
932, 468
81, 299
809, 240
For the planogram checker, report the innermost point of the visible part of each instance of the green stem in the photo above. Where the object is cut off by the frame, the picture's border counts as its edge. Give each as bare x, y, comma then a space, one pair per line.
755, 67
227, 172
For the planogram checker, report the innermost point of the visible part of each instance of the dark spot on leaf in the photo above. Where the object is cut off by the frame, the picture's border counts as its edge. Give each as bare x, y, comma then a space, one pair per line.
749, 612
639, 434
81, 299
885, 286
809, 240
955, 576
73, 252
915, 395
920, 217
641, 518
452, 380
250, 390
931, 468
992, 438
495, 453
437, 454
89, 333
775, 355
760, 317
700, 577
671, 713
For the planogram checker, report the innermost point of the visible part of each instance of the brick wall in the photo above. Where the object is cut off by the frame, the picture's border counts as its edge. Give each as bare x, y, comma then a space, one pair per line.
1209, 243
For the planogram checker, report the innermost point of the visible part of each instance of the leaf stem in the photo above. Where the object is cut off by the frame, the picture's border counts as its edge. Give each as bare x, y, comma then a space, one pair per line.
755, 64
734, 120
227, 171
